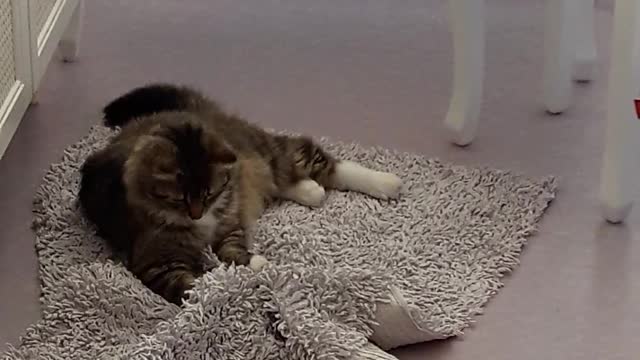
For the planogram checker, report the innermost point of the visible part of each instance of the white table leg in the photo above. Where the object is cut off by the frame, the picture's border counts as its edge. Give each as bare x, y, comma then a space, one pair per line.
586, 54
467, 24
622, 123
70, 43
559, 54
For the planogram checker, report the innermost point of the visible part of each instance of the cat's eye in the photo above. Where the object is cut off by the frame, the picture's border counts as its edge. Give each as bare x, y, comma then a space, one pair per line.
168, 198
160, 196
178, 200
164, 192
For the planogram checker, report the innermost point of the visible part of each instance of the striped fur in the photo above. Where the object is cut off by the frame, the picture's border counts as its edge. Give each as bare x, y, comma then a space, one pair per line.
176, 144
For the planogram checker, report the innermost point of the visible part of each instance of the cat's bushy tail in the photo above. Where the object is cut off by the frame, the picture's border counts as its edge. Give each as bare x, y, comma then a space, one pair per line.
147, 100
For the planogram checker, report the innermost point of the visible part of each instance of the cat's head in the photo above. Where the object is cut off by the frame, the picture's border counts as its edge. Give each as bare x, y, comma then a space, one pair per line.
179, 169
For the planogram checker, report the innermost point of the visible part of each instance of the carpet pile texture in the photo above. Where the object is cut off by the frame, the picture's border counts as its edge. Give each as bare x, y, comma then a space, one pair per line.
444, 245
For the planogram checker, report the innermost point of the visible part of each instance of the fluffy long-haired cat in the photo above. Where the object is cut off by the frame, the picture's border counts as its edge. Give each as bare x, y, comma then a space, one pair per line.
183, 175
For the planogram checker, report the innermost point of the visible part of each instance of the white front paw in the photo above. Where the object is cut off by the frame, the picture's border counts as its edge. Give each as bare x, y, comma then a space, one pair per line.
385, 186
257, 262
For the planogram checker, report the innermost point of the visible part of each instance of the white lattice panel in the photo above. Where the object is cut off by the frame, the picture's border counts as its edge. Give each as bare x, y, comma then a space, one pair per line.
7, 50
40, 11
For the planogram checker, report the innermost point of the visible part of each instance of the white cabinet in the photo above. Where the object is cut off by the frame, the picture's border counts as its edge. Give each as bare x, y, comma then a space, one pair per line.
49, 20
30, 31
15, 67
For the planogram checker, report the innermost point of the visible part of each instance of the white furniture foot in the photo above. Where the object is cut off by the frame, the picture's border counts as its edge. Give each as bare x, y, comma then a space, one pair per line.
586, 54
35, 98
468, 28
618, 213
70, 43
622, 125
559, 55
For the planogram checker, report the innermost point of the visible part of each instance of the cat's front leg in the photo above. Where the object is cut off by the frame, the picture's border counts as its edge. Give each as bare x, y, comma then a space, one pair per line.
173, 284
232, 246
170, 279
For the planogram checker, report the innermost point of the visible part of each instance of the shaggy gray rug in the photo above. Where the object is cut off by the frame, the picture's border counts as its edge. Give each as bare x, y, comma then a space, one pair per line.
444, 246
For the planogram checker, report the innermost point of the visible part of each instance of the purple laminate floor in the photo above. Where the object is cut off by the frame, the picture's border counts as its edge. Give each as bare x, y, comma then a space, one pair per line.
375, 71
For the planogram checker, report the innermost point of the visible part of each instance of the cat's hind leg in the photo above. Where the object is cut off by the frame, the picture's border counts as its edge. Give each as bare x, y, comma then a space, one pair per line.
305, 192
349, 175
319, 170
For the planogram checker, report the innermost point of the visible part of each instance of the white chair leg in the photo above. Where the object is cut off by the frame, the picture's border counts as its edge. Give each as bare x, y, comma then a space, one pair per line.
560, 17
70, 43
622, 127
584, 66
467, 24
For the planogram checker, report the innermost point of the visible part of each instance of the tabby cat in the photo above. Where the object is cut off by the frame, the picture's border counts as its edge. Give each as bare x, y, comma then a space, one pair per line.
183, 175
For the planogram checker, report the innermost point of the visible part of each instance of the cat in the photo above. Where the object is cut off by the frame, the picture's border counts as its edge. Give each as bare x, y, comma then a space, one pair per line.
183, 175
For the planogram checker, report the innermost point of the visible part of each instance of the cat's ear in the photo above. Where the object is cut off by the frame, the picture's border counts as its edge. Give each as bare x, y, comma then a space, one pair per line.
219, 150
224, 155
154, 146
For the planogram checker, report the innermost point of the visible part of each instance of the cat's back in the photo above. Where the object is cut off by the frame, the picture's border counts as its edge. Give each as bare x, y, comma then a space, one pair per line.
247, 138
138, 111
137, 128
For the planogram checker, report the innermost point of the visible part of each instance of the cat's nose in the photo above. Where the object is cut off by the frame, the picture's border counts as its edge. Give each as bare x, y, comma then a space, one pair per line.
195, 210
